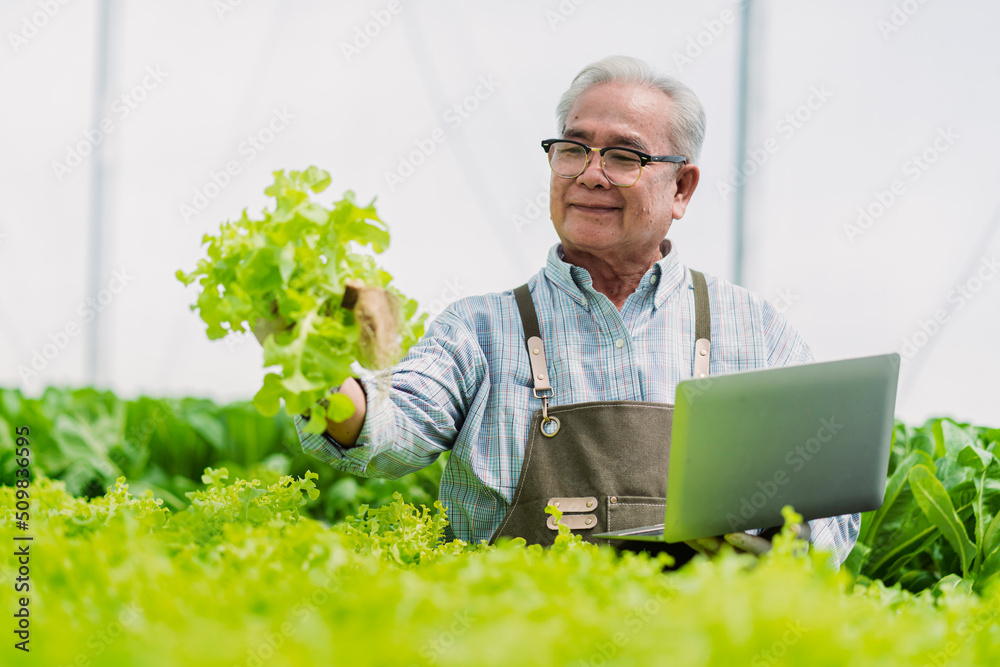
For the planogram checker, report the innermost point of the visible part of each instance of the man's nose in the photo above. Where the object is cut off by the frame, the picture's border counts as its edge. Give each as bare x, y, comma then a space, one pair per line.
593, 174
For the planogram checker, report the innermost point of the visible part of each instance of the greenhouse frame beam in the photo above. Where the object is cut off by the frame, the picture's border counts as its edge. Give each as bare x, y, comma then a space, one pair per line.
93, 357
739, 199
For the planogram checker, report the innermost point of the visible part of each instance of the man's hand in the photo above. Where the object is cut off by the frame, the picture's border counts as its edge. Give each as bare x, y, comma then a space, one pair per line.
743, 543
376, 310
347, 431
377, 313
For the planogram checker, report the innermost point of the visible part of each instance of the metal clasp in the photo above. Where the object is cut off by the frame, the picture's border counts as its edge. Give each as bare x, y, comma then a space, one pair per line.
540, 378
546, 420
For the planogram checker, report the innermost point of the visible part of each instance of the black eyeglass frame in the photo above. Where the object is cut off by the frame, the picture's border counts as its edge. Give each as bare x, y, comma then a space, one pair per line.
644, 158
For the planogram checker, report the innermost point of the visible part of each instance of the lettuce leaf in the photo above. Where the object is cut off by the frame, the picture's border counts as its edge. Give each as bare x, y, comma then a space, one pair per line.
295, 263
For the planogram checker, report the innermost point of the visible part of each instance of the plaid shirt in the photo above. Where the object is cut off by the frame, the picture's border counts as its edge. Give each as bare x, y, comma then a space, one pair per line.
466, 386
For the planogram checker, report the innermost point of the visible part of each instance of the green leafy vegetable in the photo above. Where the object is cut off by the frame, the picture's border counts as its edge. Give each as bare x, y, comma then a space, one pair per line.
242, 577
939, 515
932, 498
294, 265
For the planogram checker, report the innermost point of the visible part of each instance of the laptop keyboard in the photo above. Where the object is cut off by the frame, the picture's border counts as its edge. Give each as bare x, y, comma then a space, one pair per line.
645, 530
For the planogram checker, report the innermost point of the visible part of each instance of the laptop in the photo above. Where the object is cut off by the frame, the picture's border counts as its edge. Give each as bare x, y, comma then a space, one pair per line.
744, 445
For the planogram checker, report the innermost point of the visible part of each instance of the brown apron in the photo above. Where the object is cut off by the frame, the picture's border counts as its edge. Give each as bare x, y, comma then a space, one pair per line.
603, 463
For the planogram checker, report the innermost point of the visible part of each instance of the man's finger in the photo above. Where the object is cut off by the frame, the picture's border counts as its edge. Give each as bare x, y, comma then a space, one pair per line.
713, 544
706, 546
803, 531
749, 543
697, 547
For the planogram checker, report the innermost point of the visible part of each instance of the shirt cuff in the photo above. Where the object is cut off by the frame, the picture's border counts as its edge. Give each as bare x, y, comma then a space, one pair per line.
377, 428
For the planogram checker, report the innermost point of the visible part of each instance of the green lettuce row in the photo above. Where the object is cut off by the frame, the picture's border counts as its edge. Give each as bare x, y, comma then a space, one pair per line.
88, 438
242, 577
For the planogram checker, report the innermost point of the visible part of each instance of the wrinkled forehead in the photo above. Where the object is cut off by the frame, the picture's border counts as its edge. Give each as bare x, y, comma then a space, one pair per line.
617, 114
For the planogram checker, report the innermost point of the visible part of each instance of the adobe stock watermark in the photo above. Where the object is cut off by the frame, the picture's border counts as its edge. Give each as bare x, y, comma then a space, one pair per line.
268, 645
796, 459
223, 8
776, 652
87, 310
432, 649
899, 16
121, 108
247, 151
235, 339
365, 34
702, 41
968, 629
958, 298
633, 623
145, 430
913, 169
786, 127
563, 11
32, 24
783, 300
102, 639
534, 208
79, 477
426, 146
452, 291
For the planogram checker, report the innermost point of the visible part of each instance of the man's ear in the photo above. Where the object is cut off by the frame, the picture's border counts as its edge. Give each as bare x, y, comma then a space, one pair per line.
687, 180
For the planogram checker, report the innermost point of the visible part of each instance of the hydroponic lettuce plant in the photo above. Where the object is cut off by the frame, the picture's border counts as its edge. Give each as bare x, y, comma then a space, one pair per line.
295, 265
241, 577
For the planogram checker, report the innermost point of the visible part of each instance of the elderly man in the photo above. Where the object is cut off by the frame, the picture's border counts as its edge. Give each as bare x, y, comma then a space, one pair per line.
563, 388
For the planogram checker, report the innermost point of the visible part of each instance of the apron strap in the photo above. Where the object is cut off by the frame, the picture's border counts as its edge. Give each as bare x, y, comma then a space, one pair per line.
526, 308
533, 340
702, 325
536, 351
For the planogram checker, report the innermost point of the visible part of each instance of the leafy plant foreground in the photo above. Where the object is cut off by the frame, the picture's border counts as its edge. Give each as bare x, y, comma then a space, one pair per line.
241, 577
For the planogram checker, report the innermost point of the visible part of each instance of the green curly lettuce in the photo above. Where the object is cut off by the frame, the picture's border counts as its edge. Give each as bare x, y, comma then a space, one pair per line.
295, 263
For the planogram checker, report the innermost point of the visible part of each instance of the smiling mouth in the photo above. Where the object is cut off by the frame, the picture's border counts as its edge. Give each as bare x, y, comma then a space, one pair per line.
594, 209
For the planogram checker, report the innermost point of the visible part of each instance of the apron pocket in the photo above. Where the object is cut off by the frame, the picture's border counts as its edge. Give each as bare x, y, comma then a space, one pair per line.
634, 511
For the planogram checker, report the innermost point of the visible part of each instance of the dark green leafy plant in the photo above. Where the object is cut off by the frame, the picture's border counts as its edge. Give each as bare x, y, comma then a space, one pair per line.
940, 520
295, 264
88, 438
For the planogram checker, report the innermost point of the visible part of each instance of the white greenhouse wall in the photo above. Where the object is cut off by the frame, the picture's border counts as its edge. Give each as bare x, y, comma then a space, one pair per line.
852, 105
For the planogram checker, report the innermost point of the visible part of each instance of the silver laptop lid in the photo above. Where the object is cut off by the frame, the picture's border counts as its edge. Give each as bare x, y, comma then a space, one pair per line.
744, 445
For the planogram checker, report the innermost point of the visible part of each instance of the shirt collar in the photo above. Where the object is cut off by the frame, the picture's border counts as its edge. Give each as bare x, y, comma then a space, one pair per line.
577, 283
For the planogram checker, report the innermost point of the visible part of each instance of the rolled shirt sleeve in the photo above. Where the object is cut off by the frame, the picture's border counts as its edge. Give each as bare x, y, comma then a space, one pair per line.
835, 535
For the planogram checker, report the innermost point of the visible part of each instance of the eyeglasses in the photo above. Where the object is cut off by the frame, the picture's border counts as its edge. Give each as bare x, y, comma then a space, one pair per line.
621, 166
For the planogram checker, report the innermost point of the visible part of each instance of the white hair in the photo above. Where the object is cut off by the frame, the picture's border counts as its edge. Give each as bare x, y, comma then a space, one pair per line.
685, 127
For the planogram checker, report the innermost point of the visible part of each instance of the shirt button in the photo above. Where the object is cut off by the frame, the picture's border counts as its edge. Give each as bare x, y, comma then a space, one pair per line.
652, 279
619, 343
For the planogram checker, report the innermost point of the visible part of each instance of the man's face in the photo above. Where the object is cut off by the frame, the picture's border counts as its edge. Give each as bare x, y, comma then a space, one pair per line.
593, 216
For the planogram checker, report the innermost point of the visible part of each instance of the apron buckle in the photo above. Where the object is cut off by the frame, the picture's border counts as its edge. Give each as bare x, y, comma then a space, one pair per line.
573, 522
546, 420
